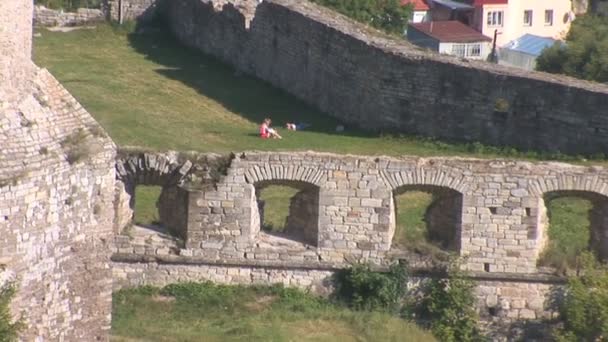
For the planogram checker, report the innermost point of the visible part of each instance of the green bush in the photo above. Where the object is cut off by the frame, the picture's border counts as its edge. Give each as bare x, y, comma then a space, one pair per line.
69, 5
584, 309
388, 15
585, 54
449, 304
364, 289
9, 330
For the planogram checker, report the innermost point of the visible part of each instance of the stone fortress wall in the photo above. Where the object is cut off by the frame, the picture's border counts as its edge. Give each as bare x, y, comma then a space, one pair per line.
500, 225
382, 83
56, 193
62, 200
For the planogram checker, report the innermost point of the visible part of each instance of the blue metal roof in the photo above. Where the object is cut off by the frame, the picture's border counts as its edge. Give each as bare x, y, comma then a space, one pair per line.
453, 5
530, 44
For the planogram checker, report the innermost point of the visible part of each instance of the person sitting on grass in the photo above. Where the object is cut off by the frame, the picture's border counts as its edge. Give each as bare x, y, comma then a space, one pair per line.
267, 132
296, 126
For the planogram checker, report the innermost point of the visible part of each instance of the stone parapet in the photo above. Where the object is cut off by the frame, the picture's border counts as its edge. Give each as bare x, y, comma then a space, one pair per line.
497, 216
48, 17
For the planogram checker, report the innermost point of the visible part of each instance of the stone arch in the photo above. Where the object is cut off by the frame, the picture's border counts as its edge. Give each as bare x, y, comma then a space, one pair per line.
440, 177
598, 219
142, 168
444, 180
443, 216
302, 222
565, 182
279, 172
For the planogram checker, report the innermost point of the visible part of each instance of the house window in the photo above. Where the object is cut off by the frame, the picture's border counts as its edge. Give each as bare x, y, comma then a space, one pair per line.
459, 50
495, 18
473, 50
548, 17
528, 18
466, 50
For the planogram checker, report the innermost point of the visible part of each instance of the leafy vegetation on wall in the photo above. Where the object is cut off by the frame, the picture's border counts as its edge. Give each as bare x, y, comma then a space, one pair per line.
388, 15
449, 305
584, 310
9, 330
585, 53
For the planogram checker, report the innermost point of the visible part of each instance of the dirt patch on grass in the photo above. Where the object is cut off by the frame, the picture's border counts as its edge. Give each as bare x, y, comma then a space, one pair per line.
260, 303
322, 330
163, 299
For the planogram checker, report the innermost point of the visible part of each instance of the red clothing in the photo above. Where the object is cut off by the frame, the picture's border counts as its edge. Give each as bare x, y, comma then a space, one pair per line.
264, 134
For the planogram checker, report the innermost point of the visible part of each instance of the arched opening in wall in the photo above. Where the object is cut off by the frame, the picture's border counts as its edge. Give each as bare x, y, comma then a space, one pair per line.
289, 210
428, 219
572, 222
159, 216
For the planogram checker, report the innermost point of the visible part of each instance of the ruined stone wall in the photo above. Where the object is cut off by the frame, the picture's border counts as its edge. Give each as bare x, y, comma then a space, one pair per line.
496, 209
56, 191
141, 10
367, 79
500, 225
48, 17
500, 302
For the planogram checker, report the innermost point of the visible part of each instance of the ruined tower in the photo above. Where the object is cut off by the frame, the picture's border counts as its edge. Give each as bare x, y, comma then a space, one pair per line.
56, 190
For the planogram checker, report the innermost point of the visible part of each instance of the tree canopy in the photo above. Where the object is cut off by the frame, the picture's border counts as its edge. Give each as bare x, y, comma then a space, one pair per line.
388, 15
585, 53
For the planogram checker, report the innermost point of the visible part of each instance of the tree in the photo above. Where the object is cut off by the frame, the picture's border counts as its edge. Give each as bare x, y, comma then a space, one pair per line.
450, 305
585, 53
584, 310
388, 15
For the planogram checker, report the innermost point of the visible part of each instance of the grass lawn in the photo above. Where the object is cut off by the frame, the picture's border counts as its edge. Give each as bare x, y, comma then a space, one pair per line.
206, 312
149, 91
411, 207
569, 231
277, 199
145, 211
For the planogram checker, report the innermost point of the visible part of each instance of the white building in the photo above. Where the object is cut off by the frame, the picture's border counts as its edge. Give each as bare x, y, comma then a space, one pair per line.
450, 37
421, 10
515, 18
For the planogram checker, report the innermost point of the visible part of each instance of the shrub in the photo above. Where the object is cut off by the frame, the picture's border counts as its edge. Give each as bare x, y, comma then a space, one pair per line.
584, 309
9, 330
388, 15
585, 53
364, 289
78, 147
449, 305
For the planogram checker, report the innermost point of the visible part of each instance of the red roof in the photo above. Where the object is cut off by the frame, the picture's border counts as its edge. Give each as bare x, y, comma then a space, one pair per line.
419, 5
489, 2
450, 32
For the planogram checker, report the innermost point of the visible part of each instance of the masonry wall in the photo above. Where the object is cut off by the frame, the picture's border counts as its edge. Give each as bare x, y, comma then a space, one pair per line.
16, 67
364, 78
56, 191
56, 214
141, 10
48, 17
499, 302
495, 210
